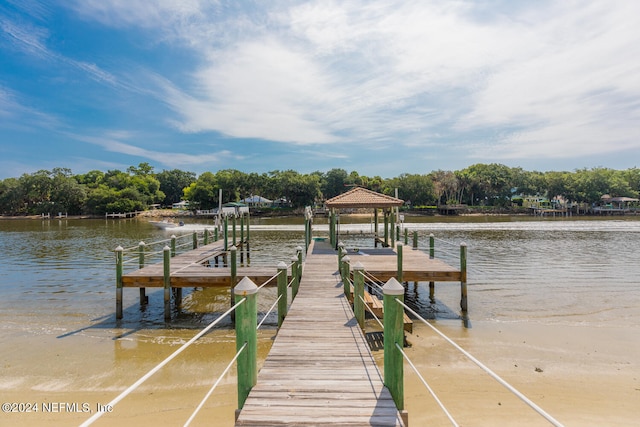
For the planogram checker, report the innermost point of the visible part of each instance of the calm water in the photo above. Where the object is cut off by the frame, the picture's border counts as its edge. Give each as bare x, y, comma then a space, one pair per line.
59, 275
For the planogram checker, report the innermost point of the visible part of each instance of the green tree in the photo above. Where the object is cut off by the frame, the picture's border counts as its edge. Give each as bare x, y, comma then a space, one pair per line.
173, 183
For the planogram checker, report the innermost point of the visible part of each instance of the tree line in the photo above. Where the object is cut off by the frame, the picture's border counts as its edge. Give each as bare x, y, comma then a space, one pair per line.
139, 187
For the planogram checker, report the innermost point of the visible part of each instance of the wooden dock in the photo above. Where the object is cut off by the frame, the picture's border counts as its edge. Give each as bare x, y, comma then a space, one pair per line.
320, 370
194, 269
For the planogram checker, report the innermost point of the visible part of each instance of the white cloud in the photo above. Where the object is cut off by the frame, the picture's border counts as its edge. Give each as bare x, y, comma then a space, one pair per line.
549, 79
112, 142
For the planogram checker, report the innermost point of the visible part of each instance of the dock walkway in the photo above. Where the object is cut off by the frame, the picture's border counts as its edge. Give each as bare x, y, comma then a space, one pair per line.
320, 370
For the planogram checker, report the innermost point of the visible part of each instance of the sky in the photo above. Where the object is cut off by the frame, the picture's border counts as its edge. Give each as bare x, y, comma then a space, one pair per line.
379, 87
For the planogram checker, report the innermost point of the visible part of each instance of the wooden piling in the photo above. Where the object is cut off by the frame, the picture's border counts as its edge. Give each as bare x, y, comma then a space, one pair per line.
141, 249
246, 332
295, 279
282, 292
173, 245
119, 267
358, 293
463, 277
399, 252
432, 246
344, 270
167, 282
394, 334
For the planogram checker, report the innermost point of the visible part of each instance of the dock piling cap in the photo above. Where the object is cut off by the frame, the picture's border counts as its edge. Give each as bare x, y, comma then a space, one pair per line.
245, 287
393, 287
357, 266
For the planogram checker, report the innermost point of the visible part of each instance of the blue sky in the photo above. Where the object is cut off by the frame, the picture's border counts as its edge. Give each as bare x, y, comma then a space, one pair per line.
380, 87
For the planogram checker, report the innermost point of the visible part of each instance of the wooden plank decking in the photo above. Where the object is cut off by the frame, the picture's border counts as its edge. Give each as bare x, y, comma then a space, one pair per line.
189, 269
320, 370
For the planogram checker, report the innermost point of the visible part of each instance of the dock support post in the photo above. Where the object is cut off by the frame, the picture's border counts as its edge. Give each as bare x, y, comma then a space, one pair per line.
206, 237
358, 293
386, 229
215, 234
415, 240
392, 228
246, 332
195, 240
375, 227
341, 253
399, 250
344, 272
167, 282
233, 252
299, 255
406, 236
173, 245
393, 334
119, 263
226, 233
432, 246
295, 283
282, 292
233, 231
242, 229
463, 276
141, 248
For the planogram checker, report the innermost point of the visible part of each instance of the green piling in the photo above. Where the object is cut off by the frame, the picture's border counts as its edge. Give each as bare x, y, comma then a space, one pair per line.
167, 282
345, 269
394, 334
399, 251
463, 277
141, 250
295, 282
432, 246
119, 268
206, 237
415, 240
358, 293
195, 240
282, 292
173, 245
246, 332
226, 233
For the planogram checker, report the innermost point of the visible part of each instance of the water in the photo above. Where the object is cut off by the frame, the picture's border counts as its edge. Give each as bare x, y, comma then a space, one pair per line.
60, 273
57, 291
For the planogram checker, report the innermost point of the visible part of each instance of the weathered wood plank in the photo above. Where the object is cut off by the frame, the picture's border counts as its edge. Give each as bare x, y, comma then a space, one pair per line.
320, 370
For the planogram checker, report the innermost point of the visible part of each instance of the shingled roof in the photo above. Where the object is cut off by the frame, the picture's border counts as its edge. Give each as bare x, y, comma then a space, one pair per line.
359, 197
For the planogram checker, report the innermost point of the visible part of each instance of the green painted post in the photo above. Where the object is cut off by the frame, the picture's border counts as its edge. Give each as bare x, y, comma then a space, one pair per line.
226, 233
399, 250
242, 229
167, 282
393, 334
141, 249
195, 240
432, 246
248, 221
233, 231
406, 236
282, 292
246, 332
415, 240
463, 276
215, 234
173, 245
295, 283
358, 293
386, 229
299, 254
392, 227
345, 276
376, 226
206, 237
119, 267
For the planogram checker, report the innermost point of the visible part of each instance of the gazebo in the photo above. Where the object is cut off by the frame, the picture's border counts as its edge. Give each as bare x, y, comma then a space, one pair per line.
359, 197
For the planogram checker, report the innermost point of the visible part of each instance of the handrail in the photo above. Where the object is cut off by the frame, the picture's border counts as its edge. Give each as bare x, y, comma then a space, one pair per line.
269, 311
485, 368
213, 387
433, 394
149, 374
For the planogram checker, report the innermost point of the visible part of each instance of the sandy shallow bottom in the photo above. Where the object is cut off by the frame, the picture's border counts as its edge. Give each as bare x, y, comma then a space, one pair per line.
582, 376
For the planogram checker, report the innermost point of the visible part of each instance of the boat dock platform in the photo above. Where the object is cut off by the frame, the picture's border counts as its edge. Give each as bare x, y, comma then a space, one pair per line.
320, 370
